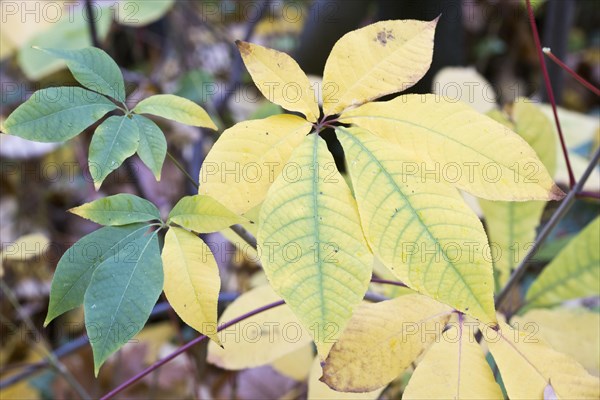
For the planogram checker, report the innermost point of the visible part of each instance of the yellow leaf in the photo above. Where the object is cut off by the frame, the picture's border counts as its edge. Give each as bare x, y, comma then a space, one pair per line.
24, 248
192, 280
422, 230
175, 108
247, 158
314, 253
203, 214
452, 142
467, 85
382, 340
453, 368
574, 272
295, 365
381, 58
318, 390
258, 340
280, 79
574, 332
511, 226
528, 366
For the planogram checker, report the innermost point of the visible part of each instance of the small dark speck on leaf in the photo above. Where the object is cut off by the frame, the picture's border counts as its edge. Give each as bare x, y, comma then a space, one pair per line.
384, 36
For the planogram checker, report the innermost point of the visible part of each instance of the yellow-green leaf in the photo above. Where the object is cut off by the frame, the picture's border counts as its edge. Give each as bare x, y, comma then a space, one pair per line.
247, 158
453, 368
381, 58
318, 390
120, 209
510, 225
528, 366
574, 272
574, 332
175, 108
260, 339
314, 253
203, 214
192, 280
419, 228
280, 79
452, 142
382, 340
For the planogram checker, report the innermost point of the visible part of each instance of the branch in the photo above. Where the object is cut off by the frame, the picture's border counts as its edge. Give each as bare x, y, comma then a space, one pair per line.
550, 225
538, 46
574, 74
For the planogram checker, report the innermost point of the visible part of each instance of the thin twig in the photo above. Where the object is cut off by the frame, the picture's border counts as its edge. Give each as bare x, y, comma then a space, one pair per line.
184, 348
550, 225
584, 194
574, 74
183, 170
89, 9
538, 46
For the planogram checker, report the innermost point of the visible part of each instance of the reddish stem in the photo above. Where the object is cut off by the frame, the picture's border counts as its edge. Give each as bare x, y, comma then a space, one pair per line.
185, 348
588, 195
387, 282
538, 46
574, 74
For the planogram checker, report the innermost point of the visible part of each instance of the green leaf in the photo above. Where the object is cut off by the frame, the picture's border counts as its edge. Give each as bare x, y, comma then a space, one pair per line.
141, 12
72, 31
94, 69
175, 108
314, 253
203, 214
511, 226
122, 292
152, 148
115, 140
57, 114
120, 209
75, 268
573, 274
419, 228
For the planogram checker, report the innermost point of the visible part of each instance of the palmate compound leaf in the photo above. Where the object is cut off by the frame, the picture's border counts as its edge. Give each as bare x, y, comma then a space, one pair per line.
454, 368
121, 294
247, 159
511, 226
115, 139
528, 366
57, 114
313, 250
574, 272
94, 69
192, 280
152, 147
419, 228
452, 142
75, 268
175, 108
382, 340
260, 339
280, 79
381, 58
571, 331
203, 214
120, 209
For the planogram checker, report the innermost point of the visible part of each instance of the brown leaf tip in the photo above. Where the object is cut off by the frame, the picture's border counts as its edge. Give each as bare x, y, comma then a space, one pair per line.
556, 193
243, 47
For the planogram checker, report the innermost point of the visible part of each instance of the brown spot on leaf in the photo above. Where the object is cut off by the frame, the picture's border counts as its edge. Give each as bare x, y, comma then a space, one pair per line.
243, 47
384, 36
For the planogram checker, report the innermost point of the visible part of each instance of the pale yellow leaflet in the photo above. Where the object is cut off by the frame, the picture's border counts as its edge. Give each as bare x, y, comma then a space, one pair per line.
382, 340
381, 58
454, 143
192, 280
421, 229
247, 158
313, 250
280, 79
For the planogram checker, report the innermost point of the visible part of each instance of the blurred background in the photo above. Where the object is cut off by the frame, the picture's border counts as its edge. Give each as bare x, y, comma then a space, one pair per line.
187, 48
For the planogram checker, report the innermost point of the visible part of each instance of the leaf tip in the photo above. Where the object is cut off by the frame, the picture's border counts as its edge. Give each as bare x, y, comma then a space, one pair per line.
556, 193
243, 47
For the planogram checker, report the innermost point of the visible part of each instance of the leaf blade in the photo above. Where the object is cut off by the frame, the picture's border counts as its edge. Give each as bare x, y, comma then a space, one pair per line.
175, 108
120, 209
385, 57
274, 72
152, 148
203, 214
57, 114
